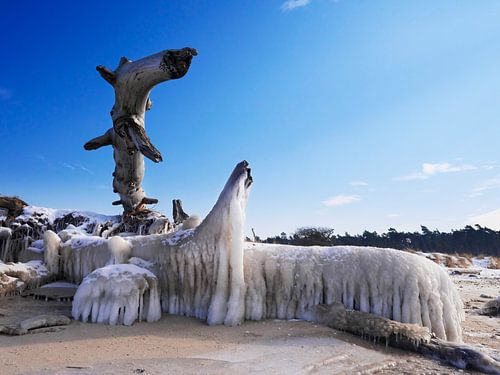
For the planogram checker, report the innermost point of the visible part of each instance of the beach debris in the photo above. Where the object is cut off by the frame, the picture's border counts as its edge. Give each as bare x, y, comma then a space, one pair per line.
32, 325
491, 308
405, 336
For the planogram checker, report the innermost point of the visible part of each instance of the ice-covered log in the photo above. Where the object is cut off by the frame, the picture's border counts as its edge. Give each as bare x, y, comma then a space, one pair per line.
209, 273
288, 281
201, 269
404, 336
118, 294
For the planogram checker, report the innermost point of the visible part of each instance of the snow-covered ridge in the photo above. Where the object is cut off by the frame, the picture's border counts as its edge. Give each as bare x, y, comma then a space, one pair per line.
52, 214
20, 237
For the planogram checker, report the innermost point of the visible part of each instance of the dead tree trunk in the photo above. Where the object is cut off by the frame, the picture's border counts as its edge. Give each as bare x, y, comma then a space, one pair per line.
405, 336
177, 212
133, 82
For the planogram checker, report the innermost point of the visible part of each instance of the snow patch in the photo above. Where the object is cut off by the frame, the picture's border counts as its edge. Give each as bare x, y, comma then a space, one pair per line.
481, 262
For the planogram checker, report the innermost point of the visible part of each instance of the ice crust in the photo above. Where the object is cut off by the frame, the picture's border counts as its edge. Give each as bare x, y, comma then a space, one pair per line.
118, 294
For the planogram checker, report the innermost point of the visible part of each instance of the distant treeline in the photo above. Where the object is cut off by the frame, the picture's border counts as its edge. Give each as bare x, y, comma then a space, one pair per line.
474, 240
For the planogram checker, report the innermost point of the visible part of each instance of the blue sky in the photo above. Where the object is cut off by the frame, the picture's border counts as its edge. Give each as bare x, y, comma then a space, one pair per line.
353, 114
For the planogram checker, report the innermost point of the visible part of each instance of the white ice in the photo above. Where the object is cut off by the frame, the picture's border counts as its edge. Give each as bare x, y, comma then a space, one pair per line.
287, 281
120, 250
118, 294
51, 246
209, 273
15, 277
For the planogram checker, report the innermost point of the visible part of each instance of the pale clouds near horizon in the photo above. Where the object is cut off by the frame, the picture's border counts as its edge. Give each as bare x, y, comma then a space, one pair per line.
294, 4
489, 219
341, 200
358, 183
393, 216
432, 169
490, 184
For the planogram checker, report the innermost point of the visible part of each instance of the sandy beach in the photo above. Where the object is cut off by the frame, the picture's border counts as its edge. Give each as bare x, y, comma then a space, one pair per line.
178, 344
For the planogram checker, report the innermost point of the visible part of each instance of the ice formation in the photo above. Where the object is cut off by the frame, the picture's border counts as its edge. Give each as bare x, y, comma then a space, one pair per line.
288, 281
16, 277
51, 245
209, 273
191, 222
18, 235
118, 294
120, 250
5, 242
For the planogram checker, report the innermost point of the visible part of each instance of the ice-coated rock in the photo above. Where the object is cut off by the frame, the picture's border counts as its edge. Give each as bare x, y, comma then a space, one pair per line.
118, 294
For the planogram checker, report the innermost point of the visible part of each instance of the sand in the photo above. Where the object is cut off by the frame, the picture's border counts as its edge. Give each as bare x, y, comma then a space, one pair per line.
180, 345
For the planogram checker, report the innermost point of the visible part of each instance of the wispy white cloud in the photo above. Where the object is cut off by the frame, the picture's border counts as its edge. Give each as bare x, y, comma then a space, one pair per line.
393, 216
83, 168
432, 169
69, 166
294, 4
489, 219
5, 93
358, 183
76, 166
491, 184
341, 200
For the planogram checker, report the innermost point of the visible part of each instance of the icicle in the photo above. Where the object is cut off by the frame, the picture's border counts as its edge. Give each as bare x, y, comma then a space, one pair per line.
51, 246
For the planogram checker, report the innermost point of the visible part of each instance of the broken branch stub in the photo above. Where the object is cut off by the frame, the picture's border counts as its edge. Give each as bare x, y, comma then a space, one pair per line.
133, 82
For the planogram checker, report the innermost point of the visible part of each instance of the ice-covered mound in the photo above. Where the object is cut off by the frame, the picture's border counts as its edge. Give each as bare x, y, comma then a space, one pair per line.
18, 236
209, 273
16, 277
118, 294
287, 281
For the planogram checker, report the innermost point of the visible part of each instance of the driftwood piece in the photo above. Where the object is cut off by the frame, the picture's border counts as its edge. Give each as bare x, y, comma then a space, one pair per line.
133, 82
178, 213
35, 323
405, 336
13, 205
491, 308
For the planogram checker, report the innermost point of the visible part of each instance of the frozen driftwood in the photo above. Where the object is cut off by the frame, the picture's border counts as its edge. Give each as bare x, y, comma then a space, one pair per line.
33, 324
404, 336
133, 82
210, 273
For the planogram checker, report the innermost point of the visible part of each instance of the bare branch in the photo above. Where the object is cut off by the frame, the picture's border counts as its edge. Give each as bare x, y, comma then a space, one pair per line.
107, 74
